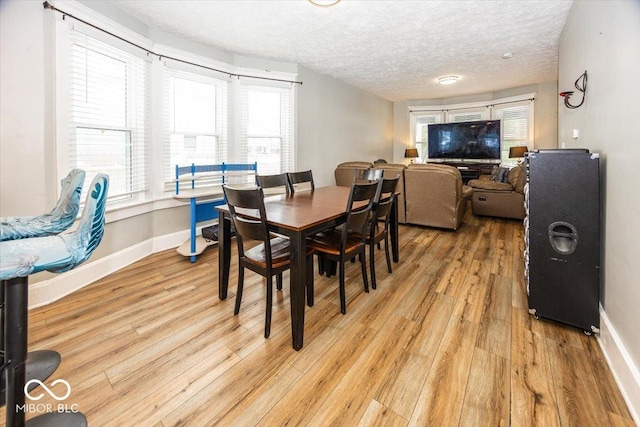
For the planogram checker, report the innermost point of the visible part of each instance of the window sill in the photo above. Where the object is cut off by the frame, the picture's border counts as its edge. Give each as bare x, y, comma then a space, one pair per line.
118, 213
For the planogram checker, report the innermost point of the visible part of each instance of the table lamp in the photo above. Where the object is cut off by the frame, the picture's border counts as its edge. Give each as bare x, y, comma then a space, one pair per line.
411, 153
518, 152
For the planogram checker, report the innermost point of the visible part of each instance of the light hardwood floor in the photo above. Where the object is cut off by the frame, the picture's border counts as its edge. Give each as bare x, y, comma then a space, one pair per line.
446, 340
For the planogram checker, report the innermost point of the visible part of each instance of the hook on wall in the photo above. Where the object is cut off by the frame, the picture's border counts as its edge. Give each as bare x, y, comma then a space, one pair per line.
581, 85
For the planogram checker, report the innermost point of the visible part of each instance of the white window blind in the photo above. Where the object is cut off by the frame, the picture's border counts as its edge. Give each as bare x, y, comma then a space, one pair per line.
195, 121
266, 127
466, 115
516, 126
109, 115
421, 121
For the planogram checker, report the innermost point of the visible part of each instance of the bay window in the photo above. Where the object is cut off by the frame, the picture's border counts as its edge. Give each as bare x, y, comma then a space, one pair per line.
515, 114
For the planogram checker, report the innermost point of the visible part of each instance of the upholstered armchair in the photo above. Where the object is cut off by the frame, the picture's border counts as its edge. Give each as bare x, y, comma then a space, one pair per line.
498, 198
435, 195
345, 173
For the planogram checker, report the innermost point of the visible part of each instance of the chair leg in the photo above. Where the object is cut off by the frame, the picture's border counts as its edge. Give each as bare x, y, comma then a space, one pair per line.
279, 281
343, 299
320, 264
386, 252
363, 267
267, 320
236, 310
310, 281
372, 265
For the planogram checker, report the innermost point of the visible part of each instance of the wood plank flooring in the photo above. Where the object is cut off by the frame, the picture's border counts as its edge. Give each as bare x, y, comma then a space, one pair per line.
446, 340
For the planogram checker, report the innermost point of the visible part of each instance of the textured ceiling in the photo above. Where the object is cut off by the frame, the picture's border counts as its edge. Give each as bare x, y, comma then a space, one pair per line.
394, 49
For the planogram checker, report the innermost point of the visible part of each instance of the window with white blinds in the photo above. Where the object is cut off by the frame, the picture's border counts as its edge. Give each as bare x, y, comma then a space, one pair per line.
466, 116
421, 121
109, 118
195, 121
266, 127
516, 126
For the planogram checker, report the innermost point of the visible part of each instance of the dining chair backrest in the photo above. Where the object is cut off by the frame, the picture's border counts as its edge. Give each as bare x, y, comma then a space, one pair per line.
274, 182
385, 197
251, 200
367, 175
296, 178
359, 207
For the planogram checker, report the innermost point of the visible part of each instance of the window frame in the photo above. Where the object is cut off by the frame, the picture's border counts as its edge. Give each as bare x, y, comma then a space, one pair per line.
137, 116
286, 135
172, 70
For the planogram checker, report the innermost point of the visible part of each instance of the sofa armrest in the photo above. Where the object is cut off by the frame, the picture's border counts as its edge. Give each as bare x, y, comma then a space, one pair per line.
481, 184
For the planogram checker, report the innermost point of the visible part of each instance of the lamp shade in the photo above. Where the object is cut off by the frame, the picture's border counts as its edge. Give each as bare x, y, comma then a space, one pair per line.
410, 153
517, 151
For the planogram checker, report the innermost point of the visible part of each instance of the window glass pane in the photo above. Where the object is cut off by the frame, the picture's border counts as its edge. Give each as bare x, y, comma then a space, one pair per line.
264, 113
267, 152
107, 131
194, 107
106, 151
197, 149
194, 121
99, 88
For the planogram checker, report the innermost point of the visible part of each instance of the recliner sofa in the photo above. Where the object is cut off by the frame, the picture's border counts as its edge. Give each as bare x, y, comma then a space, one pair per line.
499, 199
429, 194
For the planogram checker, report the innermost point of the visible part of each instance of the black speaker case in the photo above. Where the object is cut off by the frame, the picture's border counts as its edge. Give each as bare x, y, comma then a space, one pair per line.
564, 194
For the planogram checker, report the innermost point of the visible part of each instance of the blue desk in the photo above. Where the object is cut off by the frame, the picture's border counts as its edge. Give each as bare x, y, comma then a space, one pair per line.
204, 192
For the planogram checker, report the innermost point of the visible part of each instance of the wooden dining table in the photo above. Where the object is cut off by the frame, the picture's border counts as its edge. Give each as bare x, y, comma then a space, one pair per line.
297, 216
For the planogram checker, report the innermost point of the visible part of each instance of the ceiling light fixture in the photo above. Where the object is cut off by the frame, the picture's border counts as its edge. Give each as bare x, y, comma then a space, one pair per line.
507, 55
324, 3
448, 80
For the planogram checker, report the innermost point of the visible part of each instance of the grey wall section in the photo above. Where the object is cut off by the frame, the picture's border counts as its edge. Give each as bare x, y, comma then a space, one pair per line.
24, 180
339, 123
603, 37
545, 119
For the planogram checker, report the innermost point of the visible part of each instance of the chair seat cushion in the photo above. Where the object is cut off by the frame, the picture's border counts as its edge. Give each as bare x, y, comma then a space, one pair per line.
330, 243
280, 253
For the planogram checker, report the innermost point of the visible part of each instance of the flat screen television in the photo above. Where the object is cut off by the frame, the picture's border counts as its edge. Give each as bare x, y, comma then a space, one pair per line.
479, 140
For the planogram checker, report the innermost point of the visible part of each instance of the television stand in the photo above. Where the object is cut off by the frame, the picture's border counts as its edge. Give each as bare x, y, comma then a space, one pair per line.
468, 169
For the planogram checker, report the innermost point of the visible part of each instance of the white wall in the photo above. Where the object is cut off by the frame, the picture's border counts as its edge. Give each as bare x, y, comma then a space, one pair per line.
603, 37
545, 119
339, 123
24, 172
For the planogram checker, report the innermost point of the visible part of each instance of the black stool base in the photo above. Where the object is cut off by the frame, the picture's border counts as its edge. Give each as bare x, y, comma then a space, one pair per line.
40, 365
58, 419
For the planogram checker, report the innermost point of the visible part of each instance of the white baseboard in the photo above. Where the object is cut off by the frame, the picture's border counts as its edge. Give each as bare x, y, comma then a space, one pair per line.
48, 291
624, 370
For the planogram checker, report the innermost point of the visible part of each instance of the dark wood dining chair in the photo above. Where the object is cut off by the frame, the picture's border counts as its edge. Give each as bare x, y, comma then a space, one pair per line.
279, 183
367, 175
297, 178
379, 229
350, 240
270, 257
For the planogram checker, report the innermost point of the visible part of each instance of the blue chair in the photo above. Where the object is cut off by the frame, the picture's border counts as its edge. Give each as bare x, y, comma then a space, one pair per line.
23, 257
58, 220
